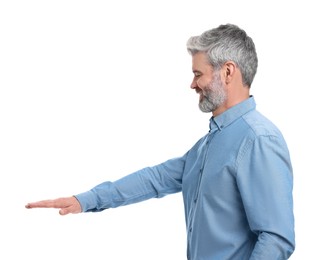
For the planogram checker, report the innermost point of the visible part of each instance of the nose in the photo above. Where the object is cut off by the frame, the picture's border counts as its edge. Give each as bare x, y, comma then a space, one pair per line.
194, 84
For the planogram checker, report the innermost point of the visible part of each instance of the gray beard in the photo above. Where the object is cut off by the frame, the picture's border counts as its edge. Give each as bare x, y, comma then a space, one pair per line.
213, 96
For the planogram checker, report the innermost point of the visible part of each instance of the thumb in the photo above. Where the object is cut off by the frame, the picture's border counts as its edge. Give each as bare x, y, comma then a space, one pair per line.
64, 211
74, 209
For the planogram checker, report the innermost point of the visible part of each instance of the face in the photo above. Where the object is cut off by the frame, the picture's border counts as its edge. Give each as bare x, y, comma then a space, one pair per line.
207, 83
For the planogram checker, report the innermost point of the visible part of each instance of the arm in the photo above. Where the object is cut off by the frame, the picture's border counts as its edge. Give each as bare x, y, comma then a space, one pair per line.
265, 182
150, 182
147, 183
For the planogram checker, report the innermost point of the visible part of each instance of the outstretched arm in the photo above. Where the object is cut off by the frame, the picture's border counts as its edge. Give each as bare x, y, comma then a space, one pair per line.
147, 183
66, 205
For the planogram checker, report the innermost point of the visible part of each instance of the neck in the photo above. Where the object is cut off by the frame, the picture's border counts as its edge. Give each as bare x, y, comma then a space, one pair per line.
231, 101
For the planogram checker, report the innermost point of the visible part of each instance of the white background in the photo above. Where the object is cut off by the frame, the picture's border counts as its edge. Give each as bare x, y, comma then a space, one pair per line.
93, 90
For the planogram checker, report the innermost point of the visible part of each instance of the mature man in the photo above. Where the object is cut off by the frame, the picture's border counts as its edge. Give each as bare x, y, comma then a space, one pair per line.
236, 180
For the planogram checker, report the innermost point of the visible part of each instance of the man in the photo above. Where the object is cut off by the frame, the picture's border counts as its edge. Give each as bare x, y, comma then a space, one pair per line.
236, 180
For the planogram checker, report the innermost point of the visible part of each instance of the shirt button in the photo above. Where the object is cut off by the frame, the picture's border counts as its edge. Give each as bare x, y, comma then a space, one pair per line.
190, 229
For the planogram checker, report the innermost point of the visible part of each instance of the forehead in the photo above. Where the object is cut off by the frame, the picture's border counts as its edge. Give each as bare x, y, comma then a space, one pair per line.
200, 62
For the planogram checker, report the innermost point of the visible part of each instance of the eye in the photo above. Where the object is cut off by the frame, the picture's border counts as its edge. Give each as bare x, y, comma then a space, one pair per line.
197, 74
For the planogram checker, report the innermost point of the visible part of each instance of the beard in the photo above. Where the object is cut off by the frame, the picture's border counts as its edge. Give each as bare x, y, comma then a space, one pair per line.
213, 96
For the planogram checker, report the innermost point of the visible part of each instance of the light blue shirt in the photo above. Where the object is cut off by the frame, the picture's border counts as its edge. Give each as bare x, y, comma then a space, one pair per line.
236, 183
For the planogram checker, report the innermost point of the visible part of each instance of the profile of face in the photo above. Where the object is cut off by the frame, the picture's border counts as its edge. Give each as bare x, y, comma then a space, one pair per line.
207, 83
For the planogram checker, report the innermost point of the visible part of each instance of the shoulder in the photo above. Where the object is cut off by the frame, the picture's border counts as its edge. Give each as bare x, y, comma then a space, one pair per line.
264, 135
261, 125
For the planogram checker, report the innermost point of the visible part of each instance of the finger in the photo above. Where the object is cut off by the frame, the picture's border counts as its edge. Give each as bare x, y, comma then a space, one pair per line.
42, 204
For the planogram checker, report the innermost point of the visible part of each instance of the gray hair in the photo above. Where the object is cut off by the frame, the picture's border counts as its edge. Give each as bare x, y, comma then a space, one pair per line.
227, 43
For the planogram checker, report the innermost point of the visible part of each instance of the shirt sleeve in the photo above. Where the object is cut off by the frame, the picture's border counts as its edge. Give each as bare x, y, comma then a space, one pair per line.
149, 182
265, 182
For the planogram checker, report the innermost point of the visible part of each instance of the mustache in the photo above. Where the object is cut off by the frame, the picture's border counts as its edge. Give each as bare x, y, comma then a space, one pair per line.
198, 90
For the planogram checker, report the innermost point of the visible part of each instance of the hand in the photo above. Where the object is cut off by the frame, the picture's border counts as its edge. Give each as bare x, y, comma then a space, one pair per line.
66, 205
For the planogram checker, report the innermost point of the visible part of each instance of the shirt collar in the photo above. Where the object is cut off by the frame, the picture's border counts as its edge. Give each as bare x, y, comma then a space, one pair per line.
231, 114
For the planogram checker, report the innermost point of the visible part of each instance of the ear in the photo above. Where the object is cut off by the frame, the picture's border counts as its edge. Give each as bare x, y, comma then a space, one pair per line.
229, 71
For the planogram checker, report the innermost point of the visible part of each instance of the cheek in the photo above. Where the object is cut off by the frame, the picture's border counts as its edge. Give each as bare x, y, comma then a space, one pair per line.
204, 83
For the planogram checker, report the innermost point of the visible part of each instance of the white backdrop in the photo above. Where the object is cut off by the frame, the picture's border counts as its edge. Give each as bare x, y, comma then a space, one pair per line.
93, 90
